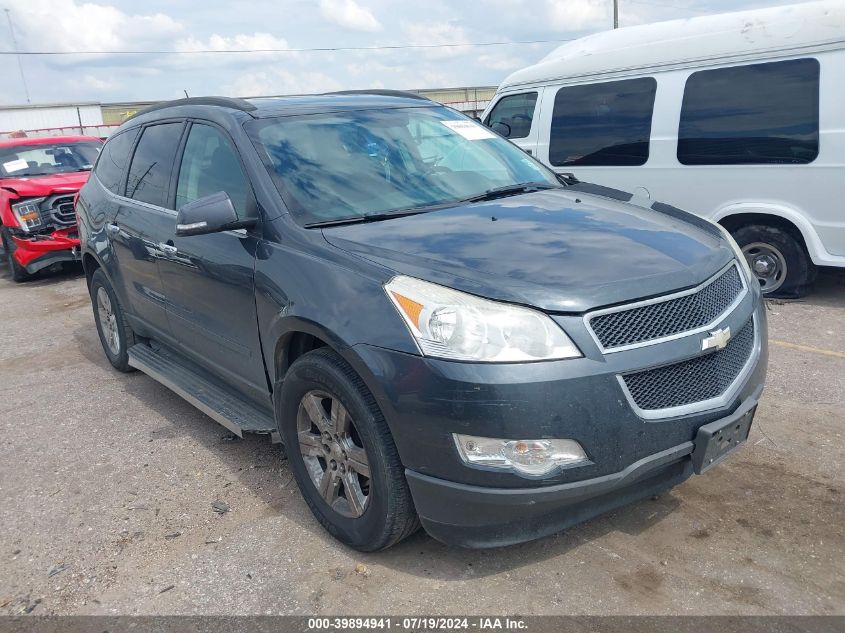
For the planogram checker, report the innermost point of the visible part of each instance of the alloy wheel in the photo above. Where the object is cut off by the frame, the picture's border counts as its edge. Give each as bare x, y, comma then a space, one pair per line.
108, 321
333, 453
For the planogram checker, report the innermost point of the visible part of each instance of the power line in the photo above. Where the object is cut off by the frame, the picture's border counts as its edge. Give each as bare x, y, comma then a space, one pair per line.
285, 50
15, 52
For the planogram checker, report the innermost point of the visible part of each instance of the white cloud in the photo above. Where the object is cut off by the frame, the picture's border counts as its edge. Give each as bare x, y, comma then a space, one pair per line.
70, 26
349, 14
578, 15
99, 84
279, 81
242, 41
428, 33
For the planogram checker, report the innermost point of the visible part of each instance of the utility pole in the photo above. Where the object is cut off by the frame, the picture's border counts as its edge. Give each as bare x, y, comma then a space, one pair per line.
17, 52
615, 14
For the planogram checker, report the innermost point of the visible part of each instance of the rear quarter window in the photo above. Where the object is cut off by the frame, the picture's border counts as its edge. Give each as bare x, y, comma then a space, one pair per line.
112, 161
755, 114
603, 124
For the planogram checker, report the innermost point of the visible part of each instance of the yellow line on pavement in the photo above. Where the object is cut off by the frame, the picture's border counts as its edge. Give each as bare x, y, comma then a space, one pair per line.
807, 348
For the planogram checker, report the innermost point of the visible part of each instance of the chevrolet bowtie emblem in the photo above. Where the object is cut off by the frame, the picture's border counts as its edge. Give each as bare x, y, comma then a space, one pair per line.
718, 339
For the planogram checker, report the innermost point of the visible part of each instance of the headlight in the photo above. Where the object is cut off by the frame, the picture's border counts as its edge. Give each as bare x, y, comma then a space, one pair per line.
454, 325
28, 213
743, 263
529, 457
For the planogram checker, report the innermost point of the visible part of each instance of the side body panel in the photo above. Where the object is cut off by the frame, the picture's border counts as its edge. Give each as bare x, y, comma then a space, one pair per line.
808, 195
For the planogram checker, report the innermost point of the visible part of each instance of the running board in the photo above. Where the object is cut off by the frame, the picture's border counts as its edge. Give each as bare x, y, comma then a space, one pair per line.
213, 399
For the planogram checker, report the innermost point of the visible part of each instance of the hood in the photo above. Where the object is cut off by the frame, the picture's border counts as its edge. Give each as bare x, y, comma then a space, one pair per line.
558, 250
29, 186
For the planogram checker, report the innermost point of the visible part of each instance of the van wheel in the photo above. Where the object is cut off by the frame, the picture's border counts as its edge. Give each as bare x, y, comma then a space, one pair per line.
777, 259
342, 454
115, 334
18, 272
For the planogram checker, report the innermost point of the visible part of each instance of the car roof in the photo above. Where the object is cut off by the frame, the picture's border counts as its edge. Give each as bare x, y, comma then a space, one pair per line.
45, 140
264, 107
776, 31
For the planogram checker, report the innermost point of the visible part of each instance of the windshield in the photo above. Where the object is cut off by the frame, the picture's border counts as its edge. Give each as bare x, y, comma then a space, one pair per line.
48, 158
346, 165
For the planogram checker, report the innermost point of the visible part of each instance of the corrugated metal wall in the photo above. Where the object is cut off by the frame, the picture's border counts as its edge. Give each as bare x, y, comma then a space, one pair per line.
51, 117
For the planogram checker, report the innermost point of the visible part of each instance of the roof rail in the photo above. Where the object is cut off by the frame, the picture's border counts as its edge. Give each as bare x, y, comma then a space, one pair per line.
381, 92
223, 102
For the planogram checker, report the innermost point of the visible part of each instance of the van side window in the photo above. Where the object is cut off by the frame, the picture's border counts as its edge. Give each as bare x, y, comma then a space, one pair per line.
751, 115
149, 172
112, 161
514, 111
603, 124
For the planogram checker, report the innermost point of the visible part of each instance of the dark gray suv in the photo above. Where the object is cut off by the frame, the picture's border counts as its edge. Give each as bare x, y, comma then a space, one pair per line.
439, 329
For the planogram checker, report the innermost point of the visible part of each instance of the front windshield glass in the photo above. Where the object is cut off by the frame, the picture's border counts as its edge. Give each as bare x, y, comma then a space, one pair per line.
345, 165
48, 158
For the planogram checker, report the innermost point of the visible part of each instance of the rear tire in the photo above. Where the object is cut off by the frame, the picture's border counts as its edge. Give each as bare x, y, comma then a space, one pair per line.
115, 334
17, 271
321, 395
778, 260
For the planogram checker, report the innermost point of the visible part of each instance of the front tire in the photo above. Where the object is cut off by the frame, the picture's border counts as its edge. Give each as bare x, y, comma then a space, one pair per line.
342, 454
115, 334
778, 260
17, 271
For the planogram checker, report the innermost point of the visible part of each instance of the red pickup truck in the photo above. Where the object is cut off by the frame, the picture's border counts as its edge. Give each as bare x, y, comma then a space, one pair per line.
39, 178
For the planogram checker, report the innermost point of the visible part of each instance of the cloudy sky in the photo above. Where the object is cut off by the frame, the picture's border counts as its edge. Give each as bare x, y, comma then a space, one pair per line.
71, 26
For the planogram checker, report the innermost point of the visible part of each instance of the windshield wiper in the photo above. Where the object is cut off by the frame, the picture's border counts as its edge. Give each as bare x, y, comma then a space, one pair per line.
376, 217
509, 190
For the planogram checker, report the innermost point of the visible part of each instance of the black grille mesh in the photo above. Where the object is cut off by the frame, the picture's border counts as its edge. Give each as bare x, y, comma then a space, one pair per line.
693, 380
666, 318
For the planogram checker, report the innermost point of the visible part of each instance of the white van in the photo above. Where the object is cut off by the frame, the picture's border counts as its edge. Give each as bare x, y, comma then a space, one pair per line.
738, 117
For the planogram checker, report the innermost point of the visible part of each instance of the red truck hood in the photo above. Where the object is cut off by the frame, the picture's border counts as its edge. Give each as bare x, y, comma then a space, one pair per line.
46, 185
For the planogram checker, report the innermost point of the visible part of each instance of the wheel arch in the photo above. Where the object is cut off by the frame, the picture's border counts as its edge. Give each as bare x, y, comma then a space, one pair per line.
796, 224
301, 336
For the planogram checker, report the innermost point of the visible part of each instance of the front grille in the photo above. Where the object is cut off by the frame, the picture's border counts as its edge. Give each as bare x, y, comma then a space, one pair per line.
61, 208
665, 318
694, 380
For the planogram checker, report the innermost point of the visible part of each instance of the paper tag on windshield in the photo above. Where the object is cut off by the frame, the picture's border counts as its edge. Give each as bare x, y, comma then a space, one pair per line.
469, 130
15, 165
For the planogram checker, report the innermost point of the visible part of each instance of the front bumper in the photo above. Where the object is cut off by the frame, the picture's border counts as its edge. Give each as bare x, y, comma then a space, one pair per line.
40, 251
425, 401
476, 516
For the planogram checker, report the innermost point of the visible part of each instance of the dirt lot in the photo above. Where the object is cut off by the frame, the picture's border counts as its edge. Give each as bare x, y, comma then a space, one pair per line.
107, 483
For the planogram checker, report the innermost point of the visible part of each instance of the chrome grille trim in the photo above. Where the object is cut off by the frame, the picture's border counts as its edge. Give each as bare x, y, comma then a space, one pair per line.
60, 208
702, 405
663, 299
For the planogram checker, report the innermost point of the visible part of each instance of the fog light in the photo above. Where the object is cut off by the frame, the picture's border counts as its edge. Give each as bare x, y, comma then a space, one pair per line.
528, 457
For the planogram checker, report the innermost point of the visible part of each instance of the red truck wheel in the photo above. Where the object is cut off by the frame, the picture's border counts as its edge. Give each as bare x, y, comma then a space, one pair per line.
18, 272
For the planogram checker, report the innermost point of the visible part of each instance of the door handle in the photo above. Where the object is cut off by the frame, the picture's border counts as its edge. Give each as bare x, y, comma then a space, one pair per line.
112, 228
168, 249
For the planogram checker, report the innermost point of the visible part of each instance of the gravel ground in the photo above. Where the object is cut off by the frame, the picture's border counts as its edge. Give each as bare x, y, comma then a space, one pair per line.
108, 480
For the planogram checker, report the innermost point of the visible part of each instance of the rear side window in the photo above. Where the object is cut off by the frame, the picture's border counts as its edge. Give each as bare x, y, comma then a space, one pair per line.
603, 124
113, 158
209, 165
515, 112
757, 114
149, 173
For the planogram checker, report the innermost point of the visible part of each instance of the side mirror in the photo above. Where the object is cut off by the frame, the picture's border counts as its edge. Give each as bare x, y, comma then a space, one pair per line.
211, 214
501, 128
